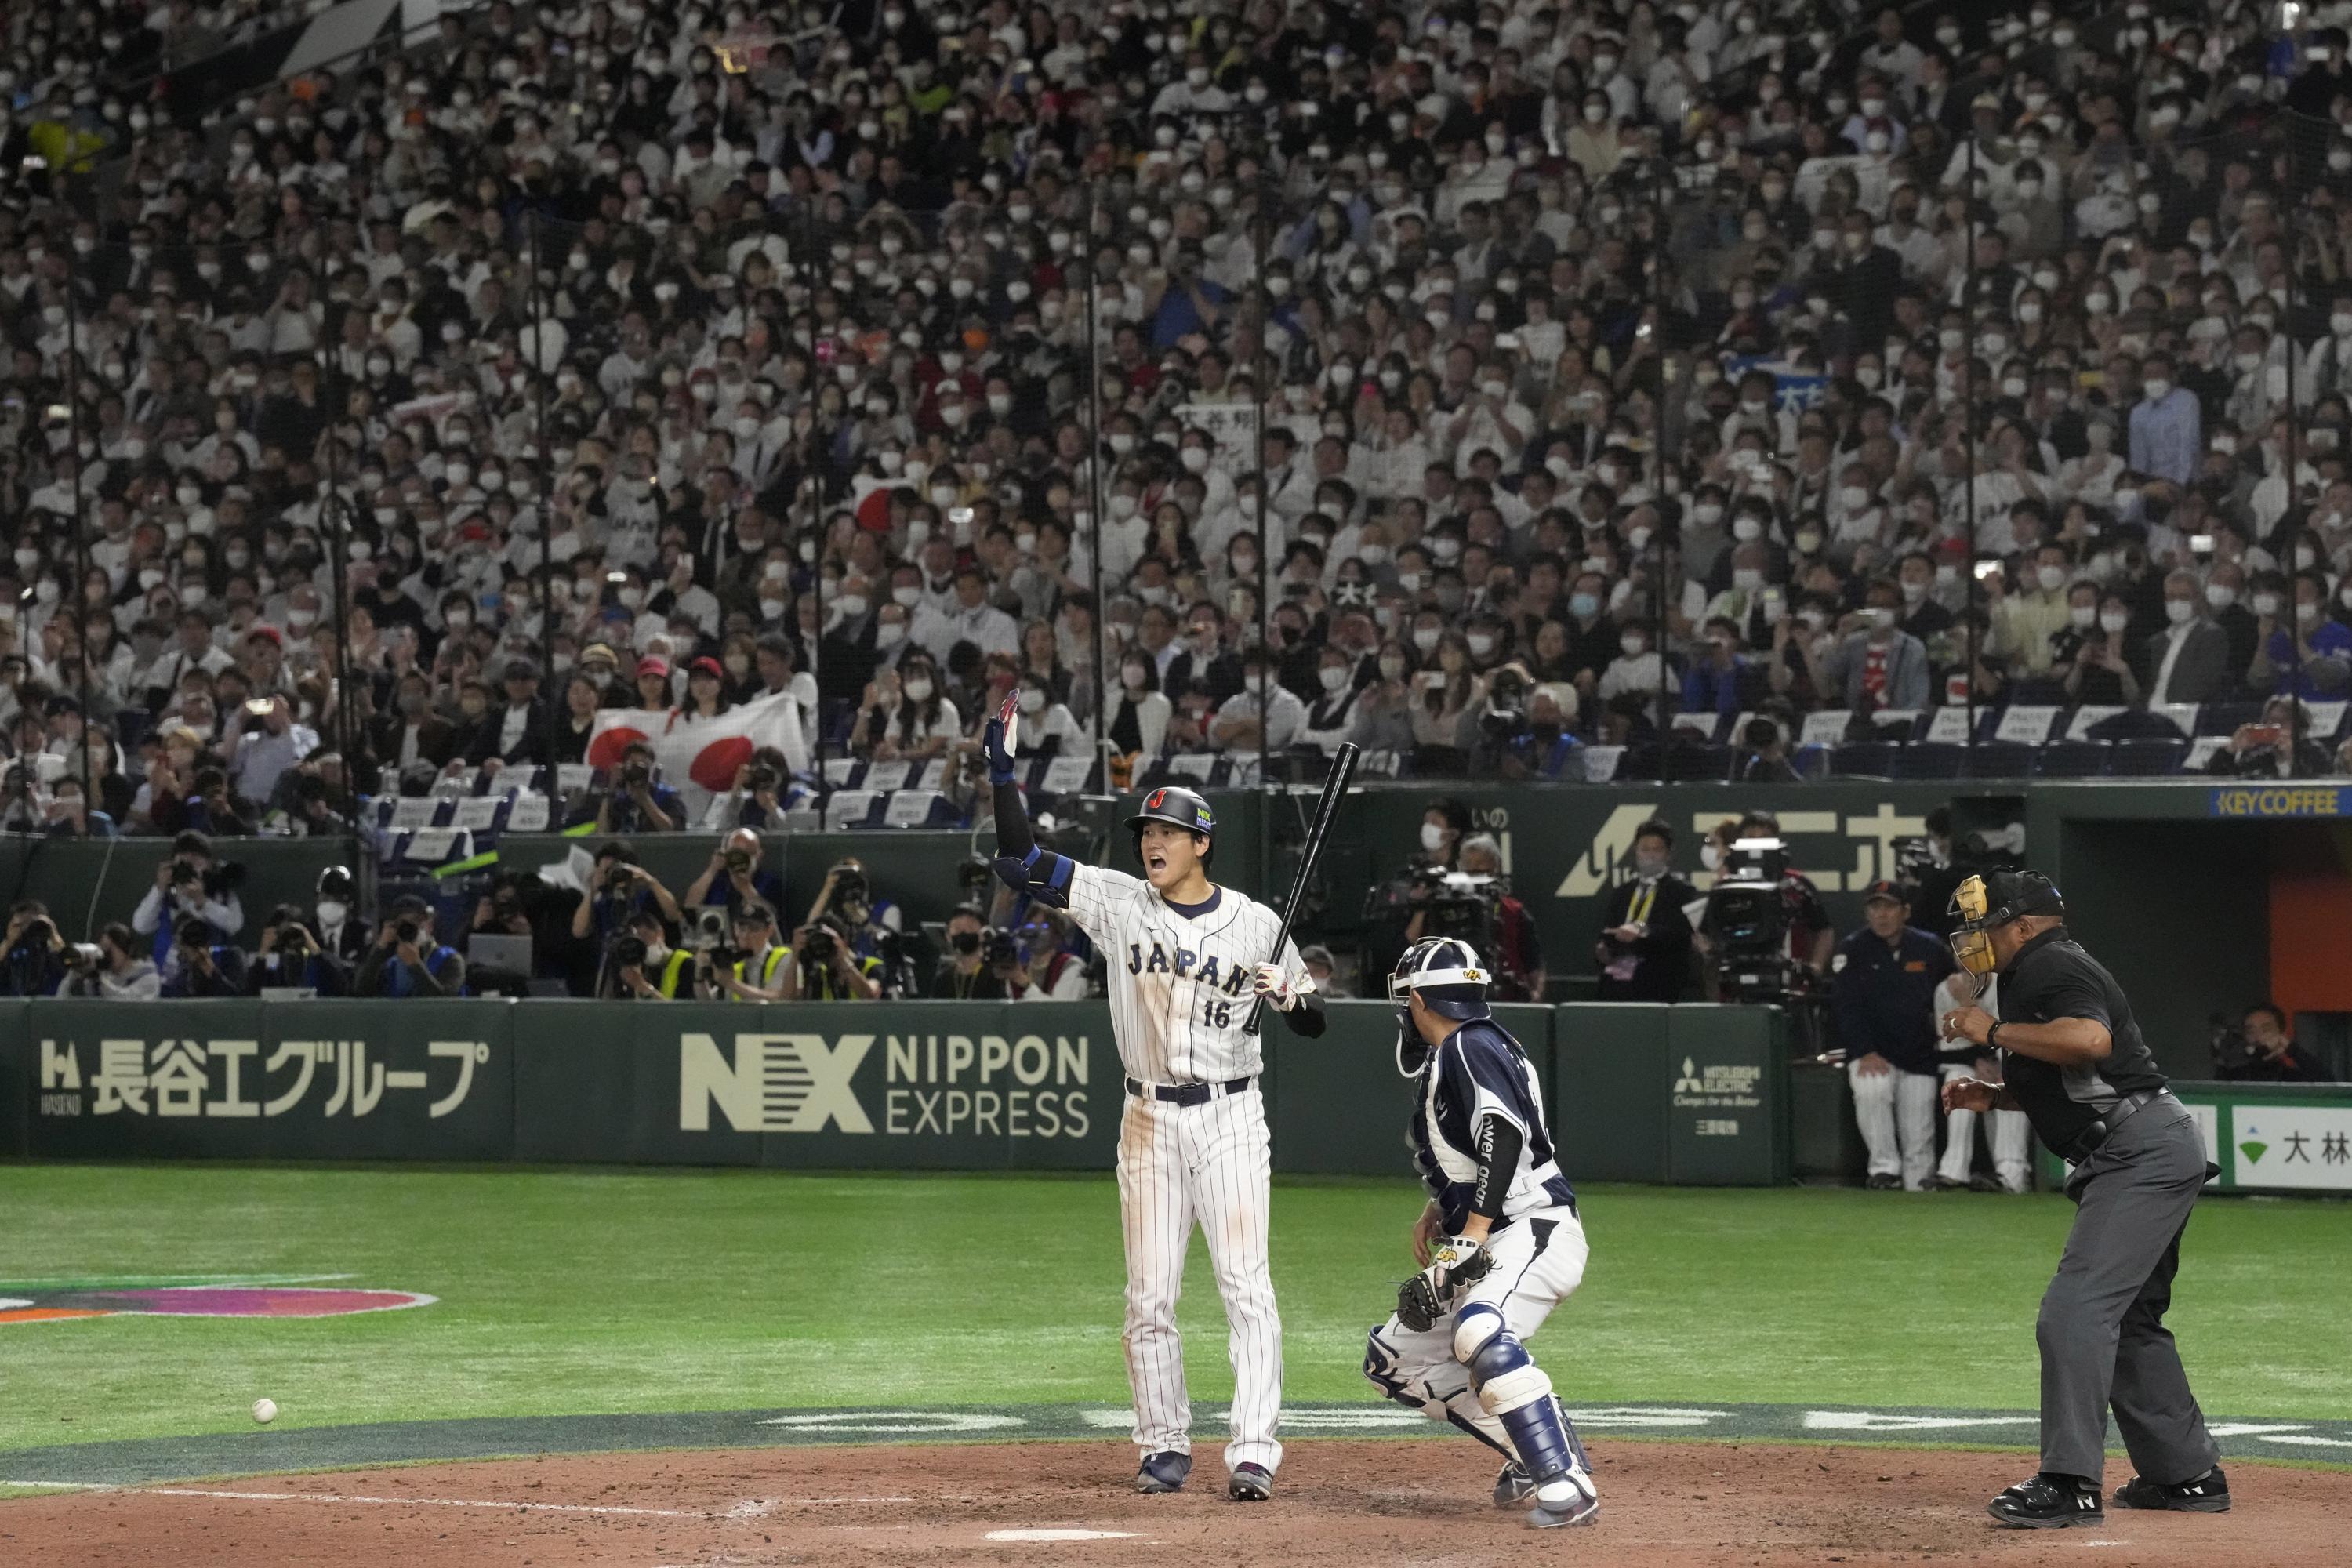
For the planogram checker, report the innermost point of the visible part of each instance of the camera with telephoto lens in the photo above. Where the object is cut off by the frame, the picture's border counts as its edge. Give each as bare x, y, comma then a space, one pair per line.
192, 930
636, 776
709, 938
2232, 1051
762, 779
621, 880
84, 956
186, 874
406, 930
629, 951
293, 936
1002, 952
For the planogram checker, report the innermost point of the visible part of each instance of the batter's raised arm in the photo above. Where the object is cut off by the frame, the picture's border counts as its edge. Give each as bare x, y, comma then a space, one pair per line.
1021, 864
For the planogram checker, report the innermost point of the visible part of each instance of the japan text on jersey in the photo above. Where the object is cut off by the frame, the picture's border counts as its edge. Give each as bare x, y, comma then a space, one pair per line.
1479, 1072
1180, 976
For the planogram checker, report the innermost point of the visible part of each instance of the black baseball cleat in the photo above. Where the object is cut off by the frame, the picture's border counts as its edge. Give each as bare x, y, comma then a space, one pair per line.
1163, 1472
2209, 1493
1514, 1488
1883, 1182
2048, 1502
1250, 1483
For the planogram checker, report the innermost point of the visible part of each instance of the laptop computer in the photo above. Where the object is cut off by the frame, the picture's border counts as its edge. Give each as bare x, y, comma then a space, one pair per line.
498, 954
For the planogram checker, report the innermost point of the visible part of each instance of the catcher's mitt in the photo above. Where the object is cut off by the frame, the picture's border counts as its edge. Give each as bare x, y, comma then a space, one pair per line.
1429, 1295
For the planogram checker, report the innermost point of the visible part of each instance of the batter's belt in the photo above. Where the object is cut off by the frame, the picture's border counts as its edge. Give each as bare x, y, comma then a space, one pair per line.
1187, 1093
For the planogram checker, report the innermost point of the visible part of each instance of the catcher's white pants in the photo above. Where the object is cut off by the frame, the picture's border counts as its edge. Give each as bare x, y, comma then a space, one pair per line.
1898, 1113
1209, 1164
1539, 1263
2012, 1142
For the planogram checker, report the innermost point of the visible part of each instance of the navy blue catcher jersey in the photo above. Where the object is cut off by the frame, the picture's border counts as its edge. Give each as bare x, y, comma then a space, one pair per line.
1479, 1072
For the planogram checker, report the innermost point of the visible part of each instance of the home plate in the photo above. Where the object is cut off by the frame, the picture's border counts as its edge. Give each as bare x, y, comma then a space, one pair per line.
1059, 1535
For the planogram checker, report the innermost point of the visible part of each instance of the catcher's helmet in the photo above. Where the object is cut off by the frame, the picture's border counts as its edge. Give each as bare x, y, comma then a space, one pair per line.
1450, 980
1178, 808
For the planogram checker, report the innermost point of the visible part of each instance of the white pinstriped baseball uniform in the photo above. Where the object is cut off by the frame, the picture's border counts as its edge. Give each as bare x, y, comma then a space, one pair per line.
1181, 983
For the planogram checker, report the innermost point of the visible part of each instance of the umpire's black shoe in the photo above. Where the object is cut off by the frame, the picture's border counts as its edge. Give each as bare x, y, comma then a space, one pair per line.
2049, 1503
1163, 1472
2209, 1493
1250, 1483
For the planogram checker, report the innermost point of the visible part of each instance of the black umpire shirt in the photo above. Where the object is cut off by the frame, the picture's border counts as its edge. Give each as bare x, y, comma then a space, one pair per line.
2051, 978
1883, 996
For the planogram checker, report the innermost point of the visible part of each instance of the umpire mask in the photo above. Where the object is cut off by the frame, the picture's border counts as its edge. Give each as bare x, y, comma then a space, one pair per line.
1980, 907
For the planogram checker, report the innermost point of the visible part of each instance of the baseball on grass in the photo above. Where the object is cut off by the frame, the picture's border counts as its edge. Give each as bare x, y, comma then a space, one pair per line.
264, 1411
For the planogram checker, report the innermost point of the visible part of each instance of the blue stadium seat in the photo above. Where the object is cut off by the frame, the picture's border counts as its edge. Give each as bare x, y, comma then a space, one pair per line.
2071, 760
2145, 758
1865, 759
1930, 760
1708, 764
1998, 760
2223, 718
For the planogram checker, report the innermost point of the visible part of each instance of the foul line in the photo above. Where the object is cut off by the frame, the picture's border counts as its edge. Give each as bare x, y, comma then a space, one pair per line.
756, 1507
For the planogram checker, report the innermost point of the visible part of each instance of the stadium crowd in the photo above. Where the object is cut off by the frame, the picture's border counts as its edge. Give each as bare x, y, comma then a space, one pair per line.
1629, 371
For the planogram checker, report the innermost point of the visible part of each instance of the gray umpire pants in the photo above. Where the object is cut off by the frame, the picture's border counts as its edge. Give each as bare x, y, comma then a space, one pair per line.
2102, 1332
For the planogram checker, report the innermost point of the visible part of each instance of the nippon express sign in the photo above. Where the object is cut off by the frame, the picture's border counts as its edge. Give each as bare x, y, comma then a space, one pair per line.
987, 1086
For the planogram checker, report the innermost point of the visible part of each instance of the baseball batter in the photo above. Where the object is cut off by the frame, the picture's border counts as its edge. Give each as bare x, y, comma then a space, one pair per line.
1185, 957
1500, 1241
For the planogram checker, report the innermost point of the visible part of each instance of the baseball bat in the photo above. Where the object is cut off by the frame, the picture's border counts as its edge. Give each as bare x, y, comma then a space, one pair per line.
1335, 787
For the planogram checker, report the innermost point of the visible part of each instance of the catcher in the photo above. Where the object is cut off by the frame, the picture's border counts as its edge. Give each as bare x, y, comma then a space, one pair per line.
1499, 1241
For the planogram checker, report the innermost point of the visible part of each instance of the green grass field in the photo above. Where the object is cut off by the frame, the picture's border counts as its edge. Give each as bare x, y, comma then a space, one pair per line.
578, 1292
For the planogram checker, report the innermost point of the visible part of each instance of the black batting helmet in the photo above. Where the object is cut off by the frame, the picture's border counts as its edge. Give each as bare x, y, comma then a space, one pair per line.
1176, 807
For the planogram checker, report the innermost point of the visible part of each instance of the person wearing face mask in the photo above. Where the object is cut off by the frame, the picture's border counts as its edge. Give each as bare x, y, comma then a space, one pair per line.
1264, 714
2027, 623
1876, 664
2302, 652
1136, 717
2189, 661
2168, 424
1645, 947
2098, 670
1332, 717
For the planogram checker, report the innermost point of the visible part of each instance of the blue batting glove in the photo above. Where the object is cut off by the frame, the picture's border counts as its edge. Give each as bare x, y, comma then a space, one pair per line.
998, 740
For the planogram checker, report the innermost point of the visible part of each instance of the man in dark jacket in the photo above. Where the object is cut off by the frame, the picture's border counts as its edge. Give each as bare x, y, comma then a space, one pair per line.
515, 734
1882, 995
1645, 938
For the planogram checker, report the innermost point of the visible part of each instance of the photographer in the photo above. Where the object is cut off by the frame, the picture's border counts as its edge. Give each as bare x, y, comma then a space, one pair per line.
756, 801
966, 972
112, 968
827, 966
1511, 941
291, 956
1037, 963
645, 967
32, 959
189, 883
1645, 937
638, 802
1810, 938
2263, 1050
200, 965
871, 924
405, 960
617, 888
734, 877
756, 969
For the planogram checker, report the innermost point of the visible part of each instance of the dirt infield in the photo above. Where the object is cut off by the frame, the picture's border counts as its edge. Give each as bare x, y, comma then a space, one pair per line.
1336, 1502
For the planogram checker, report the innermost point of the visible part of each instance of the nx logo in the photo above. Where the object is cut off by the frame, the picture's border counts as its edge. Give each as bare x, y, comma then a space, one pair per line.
774, 1083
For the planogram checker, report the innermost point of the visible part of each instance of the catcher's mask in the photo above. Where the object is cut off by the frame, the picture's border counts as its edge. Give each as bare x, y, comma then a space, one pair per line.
1981, 905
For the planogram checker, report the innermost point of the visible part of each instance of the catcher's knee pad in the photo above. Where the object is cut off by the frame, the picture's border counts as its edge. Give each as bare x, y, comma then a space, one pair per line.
1474, 1326
1386, 1373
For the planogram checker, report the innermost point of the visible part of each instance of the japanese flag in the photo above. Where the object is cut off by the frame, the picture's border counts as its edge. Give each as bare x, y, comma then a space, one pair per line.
705, 752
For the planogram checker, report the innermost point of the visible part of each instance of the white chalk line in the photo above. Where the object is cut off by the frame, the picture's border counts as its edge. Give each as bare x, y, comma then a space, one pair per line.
754, 1508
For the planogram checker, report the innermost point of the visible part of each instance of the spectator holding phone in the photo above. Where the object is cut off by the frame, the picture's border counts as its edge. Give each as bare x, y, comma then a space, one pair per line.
2279, 745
